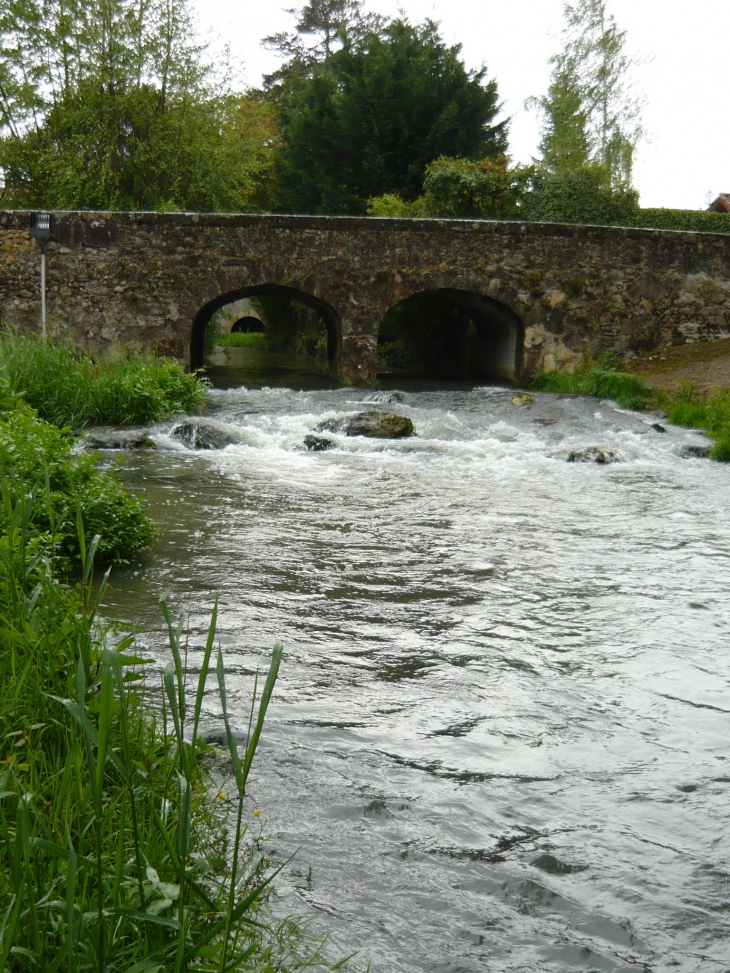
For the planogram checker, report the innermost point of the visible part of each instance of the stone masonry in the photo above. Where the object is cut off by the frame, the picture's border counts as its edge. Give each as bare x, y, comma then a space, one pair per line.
148, 280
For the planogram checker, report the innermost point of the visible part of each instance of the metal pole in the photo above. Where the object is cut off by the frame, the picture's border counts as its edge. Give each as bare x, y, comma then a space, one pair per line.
43, 288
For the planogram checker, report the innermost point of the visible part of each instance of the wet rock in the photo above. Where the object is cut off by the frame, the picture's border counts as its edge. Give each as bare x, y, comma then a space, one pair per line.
117, 439
334, 424
593, 454
658, 427
316, 444
214, 738
695, 450
522, 398
381, 425
378, 809
386, 398
205, 434
553, 866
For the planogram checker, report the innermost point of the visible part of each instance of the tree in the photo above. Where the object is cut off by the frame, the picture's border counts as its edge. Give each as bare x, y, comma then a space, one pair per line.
370, 118
565, 144
324, 22
108, 104
591, 111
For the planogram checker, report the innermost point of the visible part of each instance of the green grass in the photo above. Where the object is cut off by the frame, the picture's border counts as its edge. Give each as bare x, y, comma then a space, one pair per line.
711, 413
67, 388
254, 339
628, 391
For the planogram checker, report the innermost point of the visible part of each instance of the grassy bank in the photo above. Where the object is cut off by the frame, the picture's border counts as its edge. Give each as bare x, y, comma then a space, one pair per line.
686, 407
112, 857
70, 389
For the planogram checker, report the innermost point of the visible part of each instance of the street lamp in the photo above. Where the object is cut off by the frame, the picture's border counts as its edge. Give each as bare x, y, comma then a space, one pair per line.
40, 230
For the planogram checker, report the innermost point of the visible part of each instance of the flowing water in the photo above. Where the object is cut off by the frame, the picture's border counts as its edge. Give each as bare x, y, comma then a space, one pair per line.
501, 735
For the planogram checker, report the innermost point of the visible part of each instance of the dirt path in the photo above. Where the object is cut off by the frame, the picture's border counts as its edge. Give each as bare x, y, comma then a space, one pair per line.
706, 365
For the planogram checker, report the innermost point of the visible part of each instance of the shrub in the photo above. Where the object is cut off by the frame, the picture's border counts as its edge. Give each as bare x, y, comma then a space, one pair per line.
37, 458
681, 219
581, 195
67, 388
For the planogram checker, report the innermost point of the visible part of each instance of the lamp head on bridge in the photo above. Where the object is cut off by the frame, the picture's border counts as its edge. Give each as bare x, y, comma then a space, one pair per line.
40, 226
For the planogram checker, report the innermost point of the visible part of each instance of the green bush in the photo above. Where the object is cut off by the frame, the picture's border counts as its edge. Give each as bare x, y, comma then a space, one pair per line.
38, 458
629, 391
581, 195
67, 388
681, 219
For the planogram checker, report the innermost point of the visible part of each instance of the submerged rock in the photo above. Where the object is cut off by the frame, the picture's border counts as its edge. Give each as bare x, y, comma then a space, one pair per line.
522, 398
117, 439
316, 444
658, 427
593, 454
205, 434
695, 450
382, 425
553, 865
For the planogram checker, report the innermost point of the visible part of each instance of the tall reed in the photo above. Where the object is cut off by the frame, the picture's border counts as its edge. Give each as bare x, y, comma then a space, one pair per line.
111, 855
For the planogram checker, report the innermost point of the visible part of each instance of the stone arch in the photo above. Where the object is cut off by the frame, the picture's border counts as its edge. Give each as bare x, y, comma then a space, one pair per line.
326, 311
494, 333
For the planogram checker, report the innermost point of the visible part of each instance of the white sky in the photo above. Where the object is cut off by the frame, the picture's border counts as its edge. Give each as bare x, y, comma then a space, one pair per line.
685, 78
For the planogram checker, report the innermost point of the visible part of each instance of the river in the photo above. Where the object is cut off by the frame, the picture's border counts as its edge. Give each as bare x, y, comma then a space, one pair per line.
501, 735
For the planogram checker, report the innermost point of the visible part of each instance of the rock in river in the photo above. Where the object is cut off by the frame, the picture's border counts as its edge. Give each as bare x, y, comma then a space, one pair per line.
522, 398
317, 444
383, 425
695, 450
205, 434
593, 454
116, 439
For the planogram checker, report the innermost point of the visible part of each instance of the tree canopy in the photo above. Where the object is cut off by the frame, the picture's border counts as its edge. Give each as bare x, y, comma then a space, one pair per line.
108, 104
369, 118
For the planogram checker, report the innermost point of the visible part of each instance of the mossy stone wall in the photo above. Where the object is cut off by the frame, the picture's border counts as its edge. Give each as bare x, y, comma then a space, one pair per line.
148, 280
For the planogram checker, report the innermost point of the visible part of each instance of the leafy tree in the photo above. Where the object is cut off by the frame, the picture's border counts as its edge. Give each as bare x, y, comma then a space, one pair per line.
591, 111
109, 105
370, 118
488, 189
565, 143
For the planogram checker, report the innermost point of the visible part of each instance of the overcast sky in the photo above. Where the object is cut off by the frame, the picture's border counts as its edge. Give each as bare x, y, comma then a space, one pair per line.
685, 76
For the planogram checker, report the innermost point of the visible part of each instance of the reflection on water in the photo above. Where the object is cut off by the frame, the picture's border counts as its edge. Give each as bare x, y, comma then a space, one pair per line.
229, 368
500, 737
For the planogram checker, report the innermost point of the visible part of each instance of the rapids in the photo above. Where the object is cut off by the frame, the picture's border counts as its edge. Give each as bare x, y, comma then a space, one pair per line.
501, 735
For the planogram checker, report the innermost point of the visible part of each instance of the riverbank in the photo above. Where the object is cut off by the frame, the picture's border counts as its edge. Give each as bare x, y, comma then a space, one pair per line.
115, 852
691, 386
706, 365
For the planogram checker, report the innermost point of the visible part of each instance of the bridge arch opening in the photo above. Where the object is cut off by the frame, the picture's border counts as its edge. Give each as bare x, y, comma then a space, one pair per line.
269, 330
452, 334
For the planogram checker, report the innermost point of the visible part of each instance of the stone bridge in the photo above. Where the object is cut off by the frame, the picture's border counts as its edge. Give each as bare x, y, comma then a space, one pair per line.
541, 296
